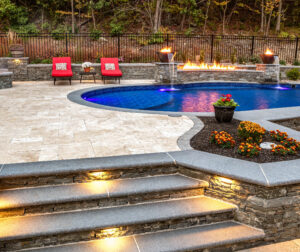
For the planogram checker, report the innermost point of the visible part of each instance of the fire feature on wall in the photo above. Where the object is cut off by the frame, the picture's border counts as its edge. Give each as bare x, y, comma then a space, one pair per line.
268, 57
189, 66
166, 55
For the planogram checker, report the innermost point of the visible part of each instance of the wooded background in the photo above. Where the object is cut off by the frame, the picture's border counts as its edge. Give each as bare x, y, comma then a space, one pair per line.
248, 17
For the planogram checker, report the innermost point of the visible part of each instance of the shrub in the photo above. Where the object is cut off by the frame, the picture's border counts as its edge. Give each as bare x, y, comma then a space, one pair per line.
218, 57
255, 60
188, 32
58, 32
248, 129
35, 61
242, 60
249, 149
41, 61
95, 34
283, 151
46, 26
222, 139
278, 135
27, 29
296, 63
115, 29
284, 34
233, 57
156, 38
202, 56
282, 62
46, 61
293, 74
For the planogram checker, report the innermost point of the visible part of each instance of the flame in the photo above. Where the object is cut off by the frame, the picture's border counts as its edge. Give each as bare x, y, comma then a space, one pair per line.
268, 52
192, 66
166, 50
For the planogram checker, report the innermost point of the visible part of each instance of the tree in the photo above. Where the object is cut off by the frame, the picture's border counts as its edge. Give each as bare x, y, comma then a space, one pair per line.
228, 8
157, 16
279, 13
73, 16
206, 16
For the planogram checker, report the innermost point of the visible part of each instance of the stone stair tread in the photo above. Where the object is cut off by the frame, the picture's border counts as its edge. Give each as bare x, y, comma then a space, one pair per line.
186, 239
14, 198
56, 167
85, 220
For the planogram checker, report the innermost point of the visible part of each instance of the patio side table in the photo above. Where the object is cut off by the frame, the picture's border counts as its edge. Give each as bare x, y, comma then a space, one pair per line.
88, 73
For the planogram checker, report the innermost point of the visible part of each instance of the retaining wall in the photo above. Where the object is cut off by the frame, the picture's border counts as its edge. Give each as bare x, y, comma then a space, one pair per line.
23, 71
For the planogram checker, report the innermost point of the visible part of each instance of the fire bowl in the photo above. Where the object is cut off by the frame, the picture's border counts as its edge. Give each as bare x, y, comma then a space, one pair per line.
267, 59
165, 57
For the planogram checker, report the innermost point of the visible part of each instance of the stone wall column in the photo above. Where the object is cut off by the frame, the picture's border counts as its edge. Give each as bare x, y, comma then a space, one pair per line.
18, 66
165, 72
271, 72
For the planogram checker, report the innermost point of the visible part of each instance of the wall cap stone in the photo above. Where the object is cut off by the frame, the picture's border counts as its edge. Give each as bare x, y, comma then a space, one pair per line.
266, 174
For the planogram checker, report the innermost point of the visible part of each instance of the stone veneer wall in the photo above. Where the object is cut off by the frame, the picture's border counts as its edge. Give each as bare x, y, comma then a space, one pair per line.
27, 72
5, 80
276, 210
211, 75
23, 71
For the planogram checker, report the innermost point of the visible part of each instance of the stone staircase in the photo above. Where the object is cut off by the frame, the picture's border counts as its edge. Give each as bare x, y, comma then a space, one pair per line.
84, 206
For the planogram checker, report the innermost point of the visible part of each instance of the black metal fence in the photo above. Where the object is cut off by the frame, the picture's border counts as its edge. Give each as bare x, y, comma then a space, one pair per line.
144, 47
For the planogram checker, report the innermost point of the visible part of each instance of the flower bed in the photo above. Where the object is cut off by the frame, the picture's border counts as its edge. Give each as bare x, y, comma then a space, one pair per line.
243, 142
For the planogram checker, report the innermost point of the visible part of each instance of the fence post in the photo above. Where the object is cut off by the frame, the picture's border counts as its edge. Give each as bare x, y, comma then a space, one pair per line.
167, 39
118, 45
252, 46
66, 37
212, 48
297, 45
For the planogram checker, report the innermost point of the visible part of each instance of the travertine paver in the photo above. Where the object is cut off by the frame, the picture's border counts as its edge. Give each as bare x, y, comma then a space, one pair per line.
39, 123
288, 246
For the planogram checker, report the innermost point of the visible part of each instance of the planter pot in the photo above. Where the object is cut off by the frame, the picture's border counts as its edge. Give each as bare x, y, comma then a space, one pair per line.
87, 69
224, 114
17, 53
165, 57
267, 59
17, 50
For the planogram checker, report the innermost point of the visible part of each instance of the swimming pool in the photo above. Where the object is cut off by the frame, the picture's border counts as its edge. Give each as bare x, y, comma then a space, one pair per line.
195, 97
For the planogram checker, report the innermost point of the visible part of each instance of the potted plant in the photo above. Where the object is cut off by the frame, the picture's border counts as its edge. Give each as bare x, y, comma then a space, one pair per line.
86, 66
224, 108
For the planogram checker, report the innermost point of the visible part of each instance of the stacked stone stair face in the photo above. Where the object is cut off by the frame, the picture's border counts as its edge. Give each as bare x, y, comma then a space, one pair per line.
149, 207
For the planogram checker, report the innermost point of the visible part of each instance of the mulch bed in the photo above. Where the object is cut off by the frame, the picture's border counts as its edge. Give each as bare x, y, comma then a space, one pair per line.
293, 123
201, 142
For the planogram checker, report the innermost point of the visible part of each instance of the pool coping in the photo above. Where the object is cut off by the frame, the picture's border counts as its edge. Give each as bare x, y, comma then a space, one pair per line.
263, 114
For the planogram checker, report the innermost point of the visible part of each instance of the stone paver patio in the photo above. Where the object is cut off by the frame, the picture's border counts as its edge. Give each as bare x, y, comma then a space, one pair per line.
39, 123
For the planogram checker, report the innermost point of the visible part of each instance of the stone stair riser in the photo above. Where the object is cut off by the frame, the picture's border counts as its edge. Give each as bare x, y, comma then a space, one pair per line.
64, 238
99, 203
81, 177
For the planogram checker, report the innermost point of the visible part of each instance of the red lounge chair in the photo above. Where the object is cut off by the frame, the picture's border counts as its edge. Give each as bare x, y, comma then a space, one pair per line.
61, 68
110, 69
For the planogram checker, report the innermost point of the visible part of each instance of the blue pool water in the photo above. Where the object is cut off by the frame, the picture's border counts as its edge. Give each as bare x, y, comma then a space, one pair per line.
195, 97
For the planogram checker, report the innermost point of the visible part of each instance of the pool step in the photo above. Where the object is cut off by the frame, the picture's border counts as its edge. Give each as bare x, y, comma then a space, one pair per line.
58, 228
217, 236
97, 194
85, 170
